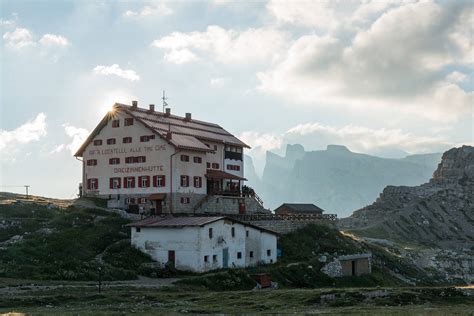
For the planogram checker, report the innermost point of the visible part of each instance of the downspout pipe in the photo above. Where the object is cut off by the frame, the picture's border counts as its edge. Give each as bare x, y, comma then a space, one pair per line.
171, 180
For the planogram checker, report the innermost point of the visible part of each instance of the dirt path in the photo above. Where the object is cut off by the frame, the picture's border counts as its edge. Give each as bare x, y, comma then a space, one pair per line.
141, 282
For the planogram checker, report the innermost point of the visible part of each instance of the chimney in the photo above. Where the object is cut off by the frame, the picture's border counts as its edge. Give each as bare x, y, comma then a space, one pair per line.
168, 112
152, 108
188, 117
134, 104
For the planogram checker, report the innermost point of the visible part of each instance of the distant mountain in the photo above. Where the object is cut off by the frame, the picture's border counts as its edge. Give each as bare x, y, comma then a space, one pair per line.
438, 213
335, 179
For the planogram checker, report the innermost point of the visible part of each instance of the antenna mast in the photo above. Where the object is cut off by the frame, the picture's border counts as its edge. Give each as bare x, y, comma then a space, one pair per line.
164, 98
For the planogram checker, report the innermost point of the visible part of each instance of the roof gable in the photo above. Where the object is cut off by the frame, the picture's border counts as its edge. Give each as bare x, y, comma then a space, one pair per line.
302, 207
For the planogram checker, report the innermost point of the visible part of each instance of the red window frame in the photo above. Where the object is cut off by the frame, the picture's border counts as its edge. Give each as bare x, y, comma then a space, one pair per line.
128, 121
97, 142
197, 159
198, 182
129, 159
126, 183
111, 141
141, 200
114, 161
208, 165
115, 123
139, 159
185, 181
92, 184
144, 138
157, 179
185, 200
111, 183
127, 140
91, 162
144, 181
184, 158
215, 165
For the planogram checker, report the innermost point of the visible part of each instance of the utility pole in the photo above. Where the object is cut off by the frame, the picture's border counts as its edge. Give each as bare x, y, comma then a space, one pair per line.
27, 187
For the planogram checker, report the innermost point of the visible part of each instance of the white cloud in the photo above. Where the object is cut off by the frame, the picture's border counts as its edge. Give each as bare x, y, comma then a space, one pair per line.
11, 141
19, 38
158, 9
225, 46
396, 63
54, 40
217, 82
116, 71
78, 135
456, 76
180, 56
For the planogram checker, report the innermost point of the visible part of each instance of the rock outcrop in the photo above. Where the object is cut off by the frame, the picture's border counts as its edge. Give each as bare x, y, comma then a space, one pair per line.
439, 213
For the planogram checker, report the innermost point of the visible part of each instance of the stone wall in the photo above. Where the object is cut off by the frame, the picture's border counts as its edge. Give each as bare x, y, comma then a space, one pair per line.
284, 226
229, 205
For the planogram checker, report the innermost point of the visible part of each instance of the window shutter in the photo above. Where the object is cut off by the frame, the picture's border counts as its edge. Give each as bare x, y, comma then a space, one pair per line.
140, 181
155, 181
111, 183
133, 182
125, 185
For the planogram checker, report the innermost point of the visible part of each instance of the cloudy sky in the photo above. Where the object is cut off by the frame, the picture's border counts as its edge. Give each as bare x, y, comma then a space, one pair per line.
382, 77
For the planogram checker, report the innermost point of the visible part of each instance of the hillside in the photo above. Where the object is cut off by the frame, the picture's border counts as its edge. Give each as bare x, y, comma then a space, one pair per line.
335, 179
47, 239
438, 215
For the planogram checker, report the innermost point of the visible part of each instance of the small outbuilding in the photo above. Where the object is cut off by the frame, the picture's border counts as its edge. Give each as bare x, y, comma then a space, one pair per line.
203, 243
357, 264
298, 208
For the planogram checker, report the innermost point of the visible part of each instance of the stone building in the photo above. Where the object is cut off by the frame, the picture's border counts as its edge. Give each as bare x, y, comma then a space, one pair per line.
149, 161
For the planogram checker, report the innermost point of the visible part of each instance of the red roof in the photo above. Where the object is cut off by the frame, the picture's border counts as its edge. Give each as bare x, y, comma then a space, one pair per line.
185, 134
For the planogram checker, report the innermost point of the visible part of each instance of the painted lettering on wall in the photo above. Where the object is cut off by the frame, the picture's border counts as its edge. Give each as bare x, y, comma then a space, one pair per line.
138, 169
123, 150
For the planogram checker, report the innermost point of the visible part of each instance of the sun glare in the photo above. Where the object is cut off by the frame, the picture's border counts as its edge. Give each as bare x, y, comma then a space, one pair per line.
105, 105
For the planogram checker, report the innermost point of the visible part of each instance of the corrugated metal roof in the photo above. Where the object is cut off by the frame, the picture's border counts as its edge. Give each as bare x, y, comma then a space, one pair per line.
179, 125
170, 221
303, 207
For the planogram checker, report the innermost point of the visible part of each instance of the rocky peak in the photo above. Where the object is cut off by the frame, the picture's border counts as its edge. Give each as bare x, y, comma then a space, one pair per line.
338, 148
456, 164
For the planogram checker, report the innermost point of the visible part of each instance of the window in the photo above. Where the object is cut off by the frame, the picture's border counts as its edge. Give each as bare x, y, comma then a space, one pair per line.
93, 184
239, 255
184, 158
197, 182
159, 181
233, 167
128, 159
185, 200
146, 138
215, 147
127, 140
239, 150
269, 252
232, 230
197, 159
208, 165
111, 141
129, 121
139, 159
129, 182
143, 181
247, 233
92, 162
251, 254
214, 258
210, 232
115, 123
206, 258
185, 181
137, 229
114, 183
215, 165
114, 161
227, 147
97, 142
142, 201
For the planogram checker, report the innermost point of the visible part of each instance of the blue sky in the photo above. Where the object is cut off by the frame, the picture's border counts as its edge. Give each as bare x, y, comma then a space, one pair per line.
384, 77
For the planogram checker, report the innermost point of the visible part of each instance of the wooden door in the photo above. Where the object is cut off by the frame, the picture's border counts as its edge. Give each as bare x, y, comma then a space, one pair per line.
225, 257
171, 256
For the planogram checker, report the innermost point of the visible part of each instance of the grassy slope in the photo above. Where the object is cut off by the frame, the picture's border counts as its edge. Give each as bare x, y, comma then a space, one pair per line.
63, 243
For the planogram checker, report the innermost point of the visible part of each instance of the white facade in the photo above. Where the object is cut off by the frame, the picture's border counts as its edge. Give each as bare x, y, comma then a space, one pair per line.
131, 156
223, 243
